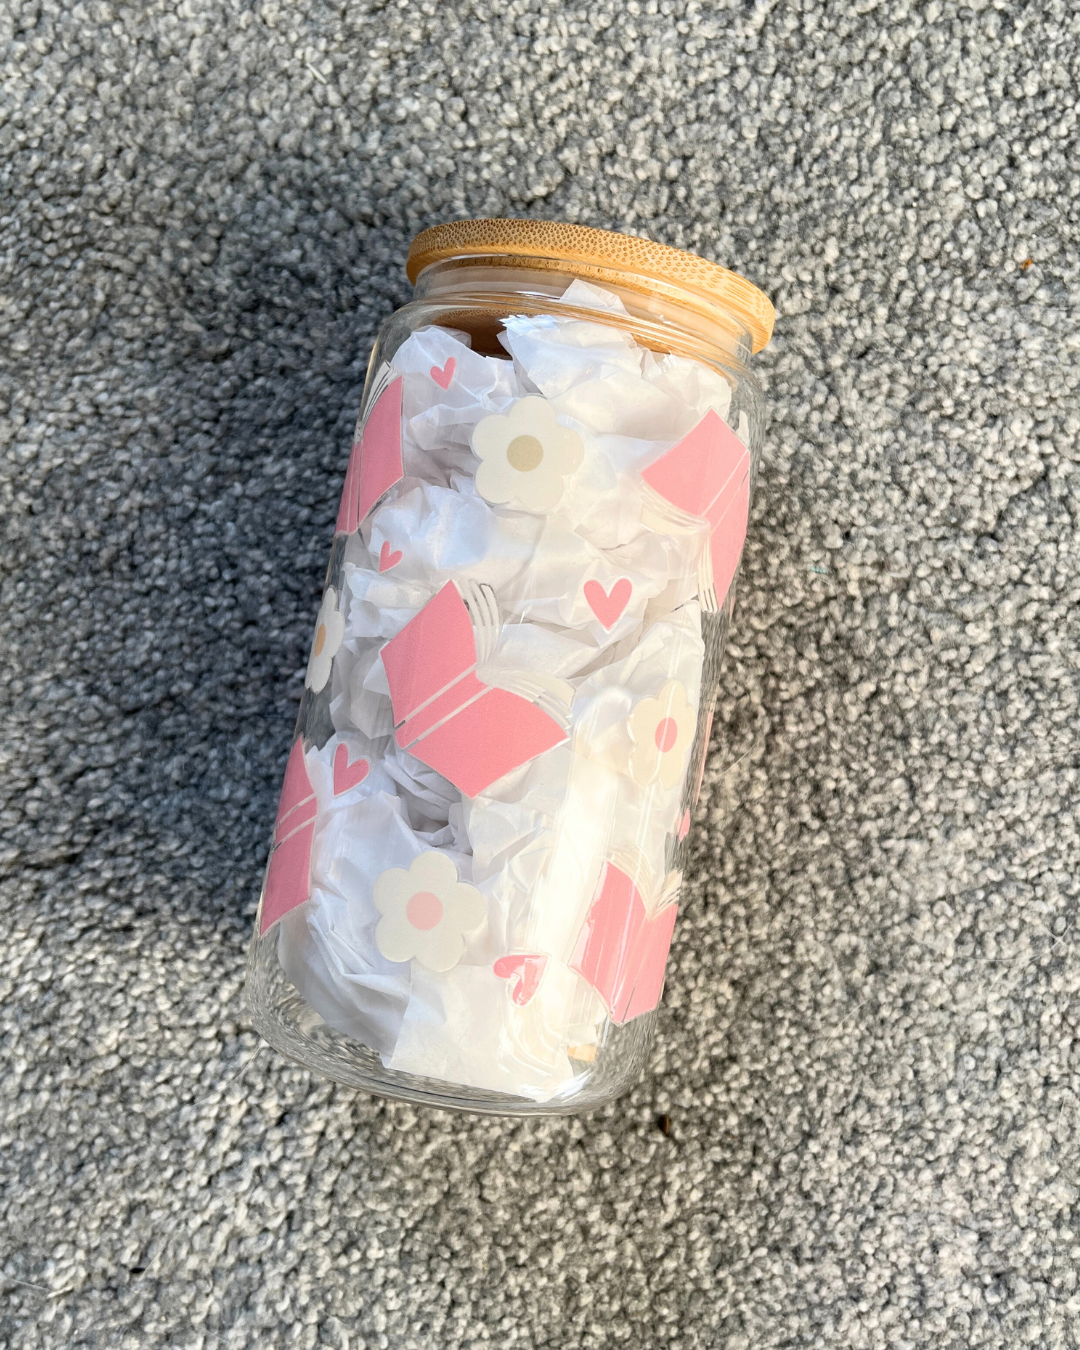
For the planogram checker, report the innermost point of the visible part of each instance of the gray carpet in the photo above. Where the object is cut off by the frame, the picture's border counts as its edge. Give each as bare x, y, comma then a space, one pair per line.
868, 1047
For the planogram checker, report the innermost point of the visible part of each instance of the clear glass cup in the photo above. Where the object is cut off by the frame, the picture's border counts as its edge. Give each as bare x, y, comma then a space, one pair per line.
477, 856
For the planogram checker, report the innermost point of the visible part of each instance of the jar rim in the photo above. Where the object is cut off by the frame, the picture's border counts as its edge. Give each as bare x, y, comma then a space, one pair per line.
599, 255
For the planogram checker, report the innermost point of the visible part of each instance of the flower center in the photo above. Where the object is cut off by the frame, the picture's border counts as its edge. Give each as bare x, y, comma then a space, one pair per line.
524, 453
667, 733
320, 639
424, 910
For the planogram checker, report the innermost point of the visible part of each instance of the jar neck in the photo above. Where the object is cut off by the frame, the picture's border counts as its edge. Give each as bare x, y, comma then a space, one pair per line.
665, 318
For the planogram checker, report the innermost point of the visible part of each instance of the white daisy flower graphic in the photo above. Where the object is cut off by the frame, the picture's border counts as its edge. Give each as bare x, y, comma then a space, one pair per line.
662, 730
426, 912
526, 456
329, 630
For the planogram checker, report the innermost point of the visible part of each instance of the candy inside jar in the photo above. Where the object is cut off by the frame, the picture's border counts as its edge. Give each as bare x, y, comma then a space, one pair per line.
478, 854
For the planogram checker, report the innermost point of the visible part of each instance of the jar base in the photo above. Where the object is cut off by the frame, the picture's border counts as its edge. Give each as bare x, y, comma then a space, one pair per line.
290, 1025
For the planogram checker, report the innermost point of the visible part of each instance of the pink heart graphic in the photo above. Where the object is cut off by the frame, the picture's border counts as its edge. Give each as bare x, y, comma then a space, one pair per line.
528, 969
388, 559
684, 825
608, 605
347, 775
443, 377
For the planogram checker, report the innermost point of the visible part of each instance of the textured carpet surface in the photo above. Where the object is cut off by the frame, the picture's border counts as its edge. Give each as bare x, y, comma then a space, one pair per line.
868, 1050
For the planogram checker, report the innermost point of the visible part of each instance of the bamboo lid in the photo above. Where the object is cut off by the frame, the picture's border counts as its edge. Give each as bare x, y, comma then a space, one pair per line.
602, 255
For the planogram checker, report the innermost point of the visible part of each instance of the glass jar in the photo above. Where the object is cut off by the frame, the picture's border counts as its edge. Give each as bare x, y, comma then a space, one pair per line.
478, 852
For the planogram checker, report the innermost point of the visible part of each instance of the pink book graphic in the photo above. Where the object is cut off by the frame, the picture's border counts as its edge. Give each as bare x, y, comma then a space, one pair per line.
707, 476
375, 463
446, 714
288, 876
622, 950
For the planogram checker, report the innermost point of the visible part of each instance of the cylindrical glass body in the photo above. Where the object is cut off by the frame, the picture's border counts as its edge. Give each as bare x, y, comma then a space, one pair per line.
477, 856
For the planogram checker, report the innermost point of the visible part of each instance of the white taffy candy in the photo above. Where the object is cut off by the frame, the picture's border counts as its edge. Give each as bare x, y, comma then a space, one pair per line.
572, 584
426, 794
636, 718
343, 861
510, 830
448, 388
671, 648
552, 669
456, 1030
563, 1014
533, 647
596, 375
355, 706
589, 297
692, 384
625, 403
579, 840
346, 981
555, 354
430, 534
380, 606
604, 501
327, 946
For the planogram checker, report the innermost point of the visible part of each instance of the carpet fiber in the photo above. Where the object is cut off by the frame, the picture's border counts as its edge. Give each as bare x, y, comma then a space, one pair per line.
868, 1048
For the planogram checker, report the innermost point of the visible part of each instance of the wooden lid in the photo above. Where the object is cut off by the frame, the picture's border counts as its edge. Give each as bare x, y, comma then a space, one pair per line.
602, 255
